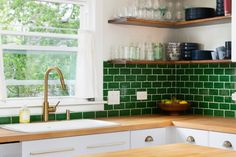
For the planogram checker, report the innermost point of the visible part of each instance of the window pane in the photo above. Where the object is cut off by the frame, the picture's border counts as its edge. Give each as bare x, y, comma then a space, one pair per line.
24, 72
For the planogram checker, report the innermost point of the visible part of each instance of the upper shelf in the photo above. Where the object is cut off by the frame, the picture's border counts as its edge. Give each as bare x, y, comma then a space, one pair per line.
166, 24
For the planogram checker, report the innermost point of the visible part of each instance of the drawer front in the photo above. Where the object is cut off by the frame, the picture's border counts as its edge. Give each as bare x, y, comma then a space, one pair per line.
222, 140
109, 142
150, 137
10, 150
192, 136
60, 147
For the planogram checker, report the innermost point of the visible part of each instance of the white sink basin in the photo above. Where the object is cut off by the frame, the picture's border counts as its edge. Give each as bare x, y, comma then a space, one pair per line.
58, 126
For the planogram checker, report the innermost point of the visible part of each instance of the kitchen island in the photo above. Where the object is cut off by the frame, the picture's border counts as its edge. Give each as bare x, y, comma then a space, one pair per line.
174, 150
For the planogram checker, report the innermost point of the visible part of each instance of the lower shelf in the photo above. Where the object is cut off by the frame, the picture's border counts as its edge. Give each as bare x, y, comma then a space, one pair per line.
168, 62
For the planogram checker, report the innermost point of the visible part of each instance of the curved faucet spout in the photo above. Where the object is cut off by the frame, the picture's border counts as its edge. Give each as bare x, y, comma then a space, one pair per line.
46, 107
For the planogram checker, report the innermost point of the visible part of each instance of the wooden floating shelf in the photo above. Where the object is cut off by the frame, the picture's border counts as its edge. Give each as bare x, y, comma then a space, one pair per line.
170, 62
166, 24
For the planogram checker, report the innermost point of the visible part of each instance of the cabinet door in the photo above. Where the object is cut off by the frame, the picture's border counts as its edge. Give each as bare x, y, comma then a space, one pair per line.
10, 150
150, 137
222, 140
109, 142
234, 31
60, 147
192, 136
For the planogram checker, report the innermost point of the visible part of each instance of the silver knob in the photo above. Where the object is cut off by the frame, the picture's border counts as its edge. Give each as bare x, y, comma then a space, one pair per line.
149, 139
227, 144
190, 139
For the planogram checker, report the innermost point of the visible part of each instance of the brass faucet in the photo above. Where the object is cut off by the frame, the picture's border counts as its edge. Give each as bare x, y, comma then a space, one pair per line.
46, 107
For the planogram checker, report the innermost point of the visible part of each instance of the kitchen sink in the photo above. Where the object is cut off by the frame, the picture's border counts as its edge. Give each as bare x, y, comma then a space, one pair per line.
59, 125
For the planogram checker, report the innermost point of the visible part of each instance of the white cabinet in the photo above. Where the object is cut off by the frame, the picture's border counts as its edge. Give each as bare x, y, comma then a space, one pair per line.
192, 136
10, 150
234, 31
74, 146
149, 137
222, 140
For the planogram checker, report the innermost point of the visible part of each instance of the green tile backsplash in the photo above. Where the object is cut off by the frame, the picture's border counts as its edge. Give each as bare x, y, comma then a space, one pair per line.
207, 86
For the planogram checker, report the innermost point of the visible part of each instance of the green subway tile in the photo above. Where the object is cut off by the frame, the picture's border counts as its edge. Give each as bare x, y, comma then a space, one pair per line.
213, 78
130, 92
214, 92
167, 71
130, 105
185, 78
120, 106
194, 78
142, 78
125, 113
131, 65
224, 65
198, 71
76, 115
152, 66
198, 98
198, 111
113, 113
89, 115
233, 107
203, 105
230, 71
184, 91
152, 104
146, 111
119, 65
218, 99
233, 78
15, 119
157, 71
152, 78
5, 120
203, 65
208, 85
136, 84
161, 90
131, 78
147, 71
114, 71
224, 92
203, 78
162, 66
125, 71
105, 85
35, 118
162, 78
218, 71
208, 112
61, 116
105, 71
125, 98
135, 112
224, 78
125, 85
218, 85
194, 91
224, 106
152, 91
194, 66
52, 117
156, 84
215, 65
171, 78
229, 85
108, 107
209, 98
146, 84
204, 91
230, 114
107, 65
108, 78
218, 113
213, 105
119, 78
113, 85
198, 84
166, 84
141, 65
208, 71
189, 71
156, 97
136, 71
101, 114
180, 71
228, 99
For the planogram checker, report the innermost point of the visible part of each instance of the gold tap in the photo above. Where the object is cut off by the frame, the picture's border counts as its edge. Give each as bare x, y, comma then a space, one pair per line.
46, 107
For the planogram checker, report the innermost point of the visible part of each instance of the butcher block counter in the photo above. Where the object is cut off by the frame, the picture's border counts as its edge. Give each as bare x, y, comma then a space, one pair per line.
130, 124
175, 150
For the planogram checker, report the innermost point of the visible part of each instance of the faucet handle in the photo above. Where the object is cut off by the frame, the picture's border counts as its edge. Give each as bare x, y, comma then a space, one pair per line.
53, 108
57, 104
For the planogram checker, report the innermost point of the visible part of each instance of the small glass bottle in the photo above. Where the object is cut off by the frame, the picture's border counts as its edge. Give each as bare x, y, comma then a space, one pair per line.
24, 115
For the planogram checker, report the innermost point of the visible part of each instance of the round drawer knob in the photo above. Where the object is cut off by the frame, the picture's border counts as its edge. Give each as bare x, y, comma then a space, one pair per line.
227, 144
149, 139
190, 139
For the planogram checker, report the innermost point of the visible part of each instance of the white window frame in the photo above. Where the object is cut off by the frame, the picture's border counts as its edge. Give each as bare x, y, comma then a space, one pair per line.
11, 106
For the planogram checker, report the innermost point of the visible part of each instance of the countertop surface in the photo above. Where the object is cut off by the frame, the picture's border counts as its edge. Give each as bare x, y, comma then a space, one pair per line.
129, 124
175, 150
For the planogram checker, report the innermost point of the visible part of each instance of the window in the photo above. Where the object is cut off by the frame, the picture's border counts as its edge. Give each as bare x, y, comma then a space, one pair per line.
35, 35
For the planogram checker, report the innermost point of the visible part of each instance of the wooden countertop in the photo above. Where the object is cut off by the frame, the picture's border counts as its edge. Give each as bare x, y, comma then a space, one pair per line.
131, 123
176, 150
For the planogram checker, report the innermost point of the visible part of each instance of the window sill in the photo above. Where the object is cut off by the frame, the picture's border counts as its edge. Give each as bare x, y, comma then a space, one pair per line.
12, 107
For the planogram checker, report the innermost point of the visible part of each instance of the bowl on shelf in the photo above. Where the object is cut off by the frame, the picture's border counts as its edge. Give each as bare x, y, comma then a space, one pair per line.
174, 107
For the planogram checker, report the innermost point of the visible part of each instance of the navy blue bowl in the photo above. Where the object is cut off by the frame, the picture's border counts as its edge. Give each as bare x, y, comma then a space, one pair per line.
201, 55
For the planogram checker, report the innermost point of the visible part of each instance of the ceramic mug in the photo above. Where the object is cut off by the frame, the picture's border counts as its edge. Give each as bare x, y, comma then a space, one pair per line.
221, 52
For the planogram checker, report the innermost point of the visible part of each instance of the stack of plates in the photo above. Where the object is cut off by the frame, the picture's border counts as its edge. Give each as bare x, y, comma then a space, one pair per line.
220, 11
186, 50
199, 13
